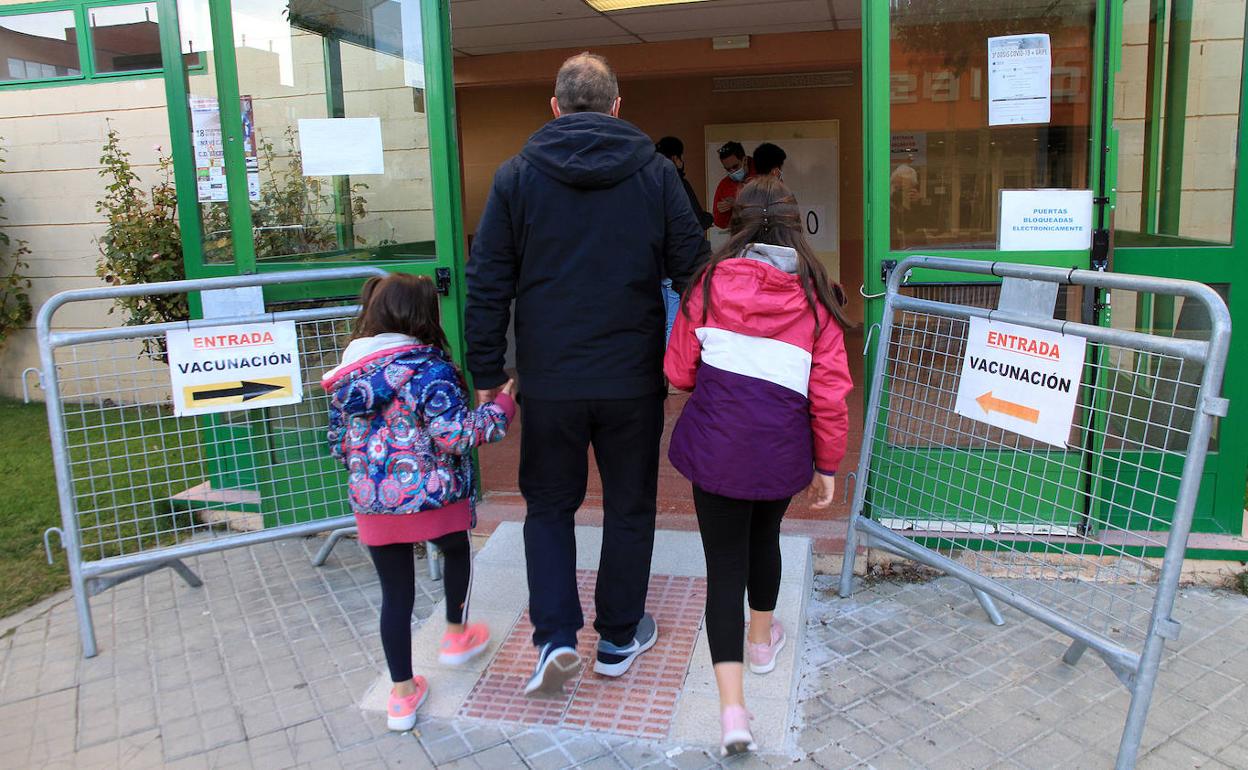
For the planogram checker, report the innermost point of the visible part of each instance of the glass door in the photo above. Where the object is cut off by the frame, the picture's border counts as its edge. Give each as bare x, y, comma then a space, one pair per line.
319, 133
1180, 100
951, 122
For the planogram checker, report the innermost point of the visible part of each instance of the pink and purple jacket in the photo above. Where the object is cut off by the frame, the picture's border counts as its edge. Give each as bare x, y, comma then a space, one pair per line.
768, 404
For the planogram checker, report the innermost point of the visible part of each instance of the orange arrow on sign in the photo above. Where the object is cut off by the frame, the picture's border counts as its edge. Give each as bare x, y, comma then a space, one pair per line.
990, 404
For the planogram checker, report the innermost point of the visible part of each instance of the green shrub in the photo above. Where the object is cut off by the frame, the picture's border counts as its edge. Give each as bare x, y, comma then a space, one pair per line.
15, 307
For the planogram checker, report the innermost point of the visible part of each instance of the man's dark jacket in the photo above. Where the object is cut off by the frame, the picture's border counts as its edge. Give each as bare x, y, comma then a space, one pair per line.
579, 230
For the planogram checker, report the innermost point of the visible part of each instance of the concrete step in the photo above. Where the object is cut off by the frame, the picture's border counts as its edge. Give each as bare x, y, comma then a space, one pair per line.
670, 693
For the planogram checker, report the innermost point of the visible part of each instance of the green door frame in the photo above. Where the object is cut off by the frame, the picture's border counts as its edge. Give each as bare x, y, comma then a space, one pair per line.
1166, 255
448, 257
1153, 246
877, 108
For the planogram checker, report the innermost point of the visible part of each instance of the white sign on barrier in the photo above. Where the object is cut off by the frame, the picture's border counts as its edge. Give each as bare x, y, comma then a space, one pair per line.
1021, 379
231, 368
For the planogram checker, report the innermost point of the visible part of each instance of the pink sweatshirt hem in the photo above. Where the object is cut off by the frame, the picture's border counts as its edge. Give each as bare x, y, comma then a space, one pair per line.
387, 528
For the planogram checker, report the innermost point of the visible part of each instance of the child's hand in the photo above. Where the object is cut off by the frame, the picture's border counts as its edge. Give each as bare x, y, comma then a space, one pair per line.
823, 488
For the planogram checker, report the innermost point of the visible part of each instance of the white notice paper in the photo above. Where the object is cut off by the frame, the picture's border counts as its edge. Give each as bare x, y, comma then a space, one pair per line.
1020, 71
341, 146
1045, 220
1021, 379
234, 367
232, 303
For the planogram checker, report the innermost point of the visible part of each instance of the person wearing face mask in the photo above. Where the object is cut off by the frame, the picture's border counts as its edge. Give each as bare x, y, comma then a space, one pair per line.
740, 169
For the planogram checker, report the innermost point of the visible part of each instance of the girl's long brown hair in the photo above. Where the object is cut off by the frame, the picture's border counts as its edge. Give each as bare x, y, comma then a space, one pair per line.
404, 304
766, 212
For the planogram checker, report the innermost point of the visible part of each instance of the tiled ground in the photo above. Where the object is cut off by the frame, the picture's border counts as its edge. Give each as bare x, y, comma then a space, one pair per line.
640, 705
265, 666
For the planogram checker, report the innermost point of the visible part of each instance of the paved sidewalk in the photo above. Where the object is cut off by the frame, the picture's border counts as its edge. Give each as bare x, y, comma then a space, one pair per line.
266, 666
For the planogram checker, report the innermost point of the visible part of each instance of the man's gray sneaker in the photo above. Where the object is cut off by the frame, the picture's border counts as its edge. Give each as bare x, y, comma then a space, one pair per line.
555, 666
614, 660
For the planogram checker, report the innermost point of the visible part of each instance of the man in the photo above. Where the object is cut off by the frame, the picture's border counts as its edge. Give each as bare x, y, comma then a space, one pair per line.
739, 169
769, 159
673, 149
579, 230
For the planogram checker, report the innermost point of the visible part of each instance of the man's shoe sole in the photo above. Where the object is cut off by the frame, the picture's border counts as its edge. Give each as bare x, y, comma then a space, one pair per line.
621, 668
558, 671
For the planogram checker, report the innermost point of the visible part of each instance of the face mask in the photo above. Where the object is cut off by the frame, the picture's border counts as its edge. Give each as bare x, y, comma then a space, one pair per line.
738, 175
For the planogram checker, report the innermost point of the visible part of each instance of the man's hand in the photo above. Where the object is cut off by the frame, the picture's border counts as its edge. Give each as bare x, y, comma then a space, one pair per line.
486, 396
823, 488
725, 204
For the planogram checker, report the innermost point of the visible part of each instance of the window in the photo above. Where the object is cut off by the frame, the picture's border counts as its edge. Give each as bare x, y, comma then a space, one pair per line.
73, 42
39, 46
124, 38
1176, 177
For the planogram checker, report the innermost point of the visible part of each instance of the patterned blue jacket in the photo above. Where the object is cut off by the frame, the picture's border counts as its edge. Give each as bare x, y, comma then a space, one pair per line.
400, 422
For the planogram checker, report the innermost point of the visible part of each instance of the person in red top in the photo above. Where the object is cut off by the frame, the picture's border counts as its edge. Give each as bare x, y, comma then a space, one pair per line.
740, 169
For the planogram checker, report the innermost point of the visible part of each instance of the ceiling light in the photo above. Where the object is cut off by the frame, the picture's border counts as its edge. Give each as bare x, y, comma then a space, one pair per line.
620, 5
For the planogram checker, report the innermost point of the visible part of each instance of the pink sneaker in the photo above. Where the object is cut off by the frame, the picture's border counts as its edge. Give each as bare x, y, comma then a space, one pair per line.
401, 713
763, 656
737, 739
458, 649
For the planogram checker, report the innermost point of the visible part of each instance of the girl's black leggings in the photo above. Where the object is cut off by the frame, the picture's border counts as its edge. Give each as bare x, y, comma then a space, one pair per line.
396, 569
741, 539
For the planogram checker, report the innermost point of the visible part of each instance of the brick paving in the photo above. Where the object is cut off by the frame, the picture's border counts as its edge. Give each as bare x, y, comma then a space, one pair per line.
640, 705
266, 664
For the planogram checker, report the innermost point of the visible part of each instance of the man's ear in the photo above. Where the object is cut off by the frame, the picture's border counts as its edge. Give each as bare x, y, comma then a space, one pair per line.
554, 106
615, 108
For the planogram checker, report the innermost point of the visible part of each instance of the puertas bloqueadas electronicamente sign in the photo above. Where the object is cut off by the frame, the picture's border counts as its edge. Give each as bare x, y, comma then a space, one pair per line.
233, 367
1021, 379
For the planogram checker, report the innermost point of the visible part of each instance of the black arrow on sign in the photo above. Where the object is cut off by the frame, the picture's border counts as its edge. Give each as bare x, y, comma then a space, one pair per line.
248, 390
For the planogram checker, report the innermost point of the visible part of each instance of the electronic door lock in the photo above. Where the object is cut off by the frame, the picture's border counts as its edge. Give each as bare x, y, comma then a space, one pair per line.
442, 280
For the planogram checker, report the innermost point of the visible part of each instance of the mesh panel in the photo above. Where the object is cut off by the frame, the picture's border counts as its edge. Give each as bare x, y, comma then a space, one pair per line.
143, 479
1013, 507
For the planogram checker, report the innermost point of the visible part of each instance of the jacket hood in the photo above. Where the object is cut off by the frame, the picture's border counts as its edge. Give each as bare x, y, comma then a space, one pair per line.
374, 370
752, 292
589, 150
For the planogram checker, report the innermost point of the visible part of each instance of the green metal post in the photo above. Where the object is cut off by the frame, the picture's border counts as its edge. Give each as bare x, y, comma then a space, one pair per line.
1153, 98
337, 108
448, 208
1176, 116
177, 99
231, 112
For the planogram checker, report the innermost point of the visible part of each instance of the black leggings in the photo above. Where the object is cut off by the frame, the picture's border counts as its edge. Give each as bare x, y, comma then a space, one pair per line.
396, 569
741, 539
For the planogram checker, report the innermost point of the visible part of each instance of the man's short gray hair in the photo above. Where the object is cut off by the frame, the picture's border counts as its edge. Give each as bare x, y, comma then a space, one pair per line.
586, 83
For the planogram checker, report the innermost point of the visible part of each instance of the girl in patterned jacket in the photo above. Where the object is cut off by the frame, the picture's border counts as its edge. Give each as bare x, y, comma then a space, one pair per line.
759, 342
399, 421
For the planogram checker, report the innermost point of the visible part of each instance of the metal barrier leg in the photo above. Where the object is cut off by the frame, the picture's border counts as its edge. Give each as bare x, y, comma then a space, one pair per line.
82, 606
435, 561
1074, 652
97, 585
330, 542
990, 607
192, 580
847, 562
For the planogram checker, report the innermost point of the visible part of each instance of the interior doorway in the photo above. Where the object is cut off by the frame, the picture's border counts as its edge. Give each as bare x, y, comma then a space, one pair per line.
697, 71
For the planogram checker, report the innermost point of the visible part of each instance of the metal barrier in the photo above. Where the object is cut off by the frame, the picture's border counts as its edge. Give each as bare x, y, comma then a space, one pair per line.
141, 488
1016, 518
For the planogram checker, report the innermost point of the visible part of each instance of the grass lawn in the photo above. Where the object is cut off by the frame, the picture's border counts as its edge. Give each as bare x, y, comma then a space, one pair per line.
28, 506
128, 462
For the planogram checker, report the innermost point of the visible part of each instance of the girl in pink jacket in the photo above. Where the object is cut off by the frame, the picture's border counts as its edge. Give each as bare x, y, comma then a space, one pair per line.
759, 342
